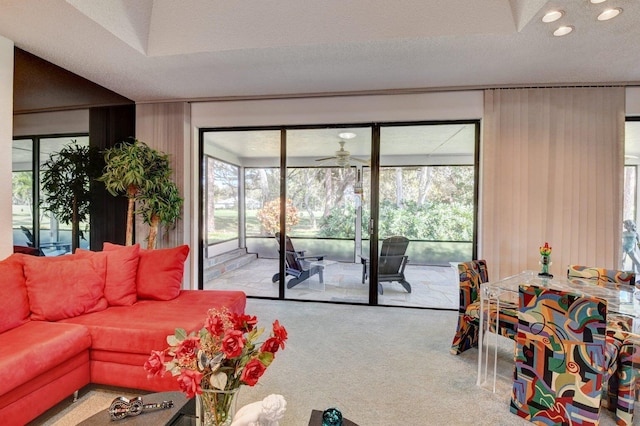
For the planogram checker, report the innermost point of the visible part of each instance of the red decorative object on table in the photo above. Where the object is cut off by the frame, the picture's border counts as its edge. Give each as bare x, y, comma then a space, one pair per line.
545, 261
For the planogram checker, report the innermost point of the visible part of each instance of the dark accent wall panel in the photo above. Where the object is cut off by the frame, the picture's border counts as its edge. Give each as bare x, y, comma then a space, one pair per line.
39, 85
107, 127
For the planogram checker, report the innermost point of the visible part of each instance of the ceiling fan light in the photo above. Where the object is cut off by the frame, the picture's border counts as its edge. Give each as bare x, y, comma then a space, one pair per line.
609, 14
347, 135
552, 16
597, 1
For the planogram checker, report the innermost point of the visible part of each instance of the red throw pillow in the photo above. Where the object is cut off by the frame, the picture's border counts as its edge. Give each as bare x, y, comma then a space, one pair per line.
14, 304
64, 286
160, 272
122, 268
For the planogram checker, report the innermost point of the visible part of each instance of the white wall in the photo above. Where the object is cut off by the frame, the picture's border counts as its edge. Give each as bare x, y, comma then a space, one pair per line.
49, 123
632, 107
6, 137
339, 109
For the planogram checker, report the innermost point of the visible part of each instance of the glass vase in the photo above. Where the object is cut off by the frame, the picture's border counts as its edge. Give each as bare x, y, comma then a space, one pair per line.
216, 407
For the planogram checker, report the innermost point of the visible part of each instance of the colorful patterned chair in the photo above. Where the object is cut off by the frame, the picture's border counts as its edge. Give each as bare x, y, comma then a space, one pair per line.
606, 278
472, 275
562, 358
602, 275
628, 380
618, 326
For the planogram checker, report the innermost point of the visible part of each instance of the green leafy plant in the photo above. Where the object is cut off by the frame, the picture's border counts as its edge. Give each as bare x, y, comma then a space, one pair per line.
66, 180
160, 206
142, 174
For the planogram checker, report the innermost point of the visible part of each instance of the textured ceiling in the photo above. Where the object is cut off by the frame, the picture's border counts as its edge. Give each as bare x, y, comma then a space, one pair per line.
154, 50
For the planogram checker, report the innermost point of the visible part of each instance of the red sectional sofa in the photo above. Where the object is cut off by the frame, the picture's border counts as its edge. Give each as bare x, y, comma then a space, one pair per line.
91, 317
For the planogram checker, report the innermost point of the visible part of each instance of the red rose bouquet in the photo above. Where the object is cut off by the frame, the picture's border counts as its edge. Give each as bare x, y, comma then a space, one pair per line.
222, 356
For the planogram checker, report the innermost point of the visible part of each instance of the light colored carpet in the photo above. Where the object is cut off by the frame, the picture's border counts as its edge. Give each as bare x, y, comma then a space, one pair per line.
379, 366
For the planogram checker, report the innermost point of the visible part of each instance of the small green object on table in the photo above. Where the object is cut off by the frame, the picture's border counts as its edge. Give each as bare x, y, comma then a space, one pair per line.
317, 417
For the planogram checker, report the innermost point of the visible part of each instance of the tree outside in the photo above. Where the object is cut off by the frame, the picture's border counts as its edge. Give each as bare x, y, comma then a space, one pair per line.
431, 205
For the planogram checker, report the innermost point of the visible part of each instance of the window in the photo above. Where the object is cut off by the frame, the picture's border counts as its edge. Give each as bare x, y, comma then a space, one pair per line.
223, 201
32, 224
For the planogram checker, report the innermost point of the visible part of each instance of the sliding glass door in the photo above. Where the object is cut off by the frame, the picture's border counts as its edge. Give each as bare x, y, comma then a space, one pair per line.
291, 212
324, 213
427, 198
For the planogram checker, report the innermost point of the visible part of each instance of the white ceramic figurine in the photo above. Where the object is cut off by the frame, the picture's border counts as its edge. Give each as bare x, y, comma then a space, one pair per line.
261, 413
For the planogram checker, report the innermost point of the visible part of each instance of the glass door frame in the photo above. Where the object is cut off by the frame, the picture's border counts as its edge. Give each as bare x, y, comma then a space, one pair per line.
372, 228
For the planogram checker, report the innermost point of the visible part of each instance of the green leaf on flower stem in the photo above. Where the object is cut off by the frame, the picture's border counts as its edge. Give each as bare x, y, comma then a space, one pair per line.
179, 336
265, 358
218, 381
254, 334
172, 367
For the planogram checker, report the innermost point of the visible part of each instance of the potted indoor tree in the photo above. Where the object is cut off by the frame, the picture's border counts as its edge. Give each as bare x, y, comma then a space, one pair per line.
141, 173
66, 184
159, 205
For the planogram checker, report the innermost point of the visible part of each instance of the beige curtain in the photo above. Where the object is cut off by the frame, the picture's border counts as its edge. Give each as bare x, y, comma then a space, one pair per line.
552, 163
166, 127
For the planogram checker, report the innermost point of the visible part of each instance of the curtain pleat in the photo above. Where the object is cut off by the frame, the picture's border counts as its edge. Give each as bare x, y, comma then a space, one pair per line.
166, 127
552, 165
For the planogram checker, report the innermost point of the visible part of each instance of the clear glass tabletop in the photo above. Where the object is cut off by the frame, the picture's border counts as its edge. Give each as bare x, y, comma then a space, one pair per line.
620, 300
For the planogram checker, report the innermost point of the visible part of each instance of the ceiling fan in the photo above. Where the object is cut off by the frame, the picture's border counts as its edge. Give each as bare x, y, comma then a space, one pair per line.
342, 157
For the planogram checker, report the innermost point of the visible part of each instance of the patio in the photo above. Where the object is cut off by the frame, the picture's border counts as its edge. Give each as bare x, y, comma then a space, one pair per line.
432, 286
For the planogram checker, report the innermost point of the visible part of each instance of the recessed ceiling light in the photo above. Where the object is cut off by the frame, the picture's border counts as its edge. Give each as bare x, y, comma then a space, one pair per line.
597, 1
552, 16
347, 135
609, 14
562, 31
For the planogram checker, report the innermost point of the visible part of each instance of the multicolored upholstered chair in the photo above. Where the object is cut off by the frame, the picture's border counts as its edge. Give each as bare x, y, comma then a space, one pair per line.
604, 276
607, 278
472, 275
628, 380
562, 358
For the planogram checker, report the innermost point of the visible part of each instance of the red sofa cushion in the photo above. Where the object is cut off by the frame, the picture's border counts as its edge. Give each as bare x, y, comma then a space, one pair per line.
64, 286
122, 269
14, 304
160, 272
36, 347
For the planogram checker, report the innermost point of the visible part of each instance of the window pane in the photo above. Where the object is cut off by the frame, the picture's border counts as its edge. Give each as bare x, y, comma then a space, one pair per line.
55, 237
22, 183
262, 201
427, 182
222, 201
630, 179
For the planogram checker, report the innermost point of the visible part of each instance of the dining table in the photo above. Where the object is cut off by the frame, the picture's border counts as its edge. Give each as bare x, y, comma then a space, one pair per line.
621, 301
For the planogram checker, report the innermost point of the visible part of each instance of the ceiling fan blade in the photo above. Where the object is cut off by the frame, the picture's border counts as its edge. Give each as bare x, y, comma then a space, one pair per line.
360, 160
325, 158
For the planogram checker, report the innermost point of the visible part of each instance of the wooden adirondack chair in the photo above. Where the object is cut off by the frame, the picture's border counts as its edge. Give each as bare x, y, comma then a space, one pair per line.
297, 265
391, 264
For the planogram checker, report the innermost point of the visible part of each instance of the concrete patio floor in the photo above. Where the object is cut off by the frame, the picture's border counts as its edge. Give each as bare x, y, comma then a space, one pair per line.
431, 286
